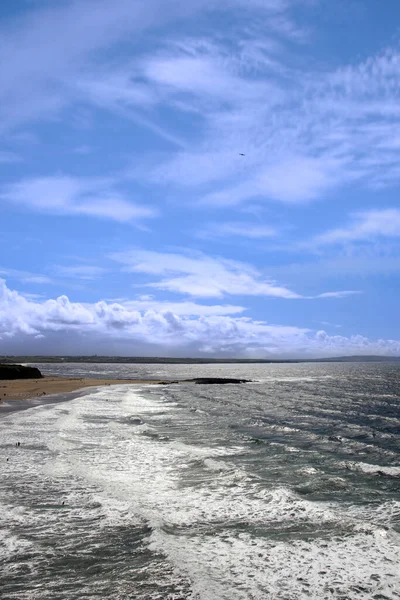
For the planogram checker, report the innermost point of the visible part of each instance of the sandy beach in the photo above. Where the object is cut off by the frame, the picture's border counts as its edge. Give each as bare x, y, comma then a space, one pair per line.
24, 389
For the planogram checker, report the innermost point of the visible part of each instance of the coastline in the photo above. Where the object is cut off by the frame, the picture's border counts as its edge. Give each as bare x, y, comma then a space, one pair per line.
19, 390
20, 394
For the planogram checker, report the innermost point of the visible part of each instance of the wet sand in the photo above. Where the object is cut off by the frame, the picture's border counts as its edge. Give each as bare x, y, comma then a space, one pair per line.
25, 389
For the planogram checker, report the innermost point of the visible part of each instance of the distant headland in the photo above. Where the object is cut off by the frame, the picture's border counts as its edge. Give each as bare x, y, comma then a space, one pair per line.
188, 360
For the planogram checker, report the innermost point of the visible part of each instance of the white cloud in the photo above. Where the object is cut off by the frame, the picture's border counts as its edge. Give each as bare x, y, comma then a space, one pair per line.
73, 196
342, 294
290, 179
188, 309
83, 272
44, 52
86, 272
207, 78
237, 229
203, 276
366, 226
115, 88
26, 276
200, 275
303, 132
241, 113
31, 326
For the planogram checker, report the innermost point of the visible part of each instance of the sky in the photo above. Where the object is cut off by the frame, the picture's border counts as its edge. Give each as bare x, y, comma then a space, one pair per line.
200, 178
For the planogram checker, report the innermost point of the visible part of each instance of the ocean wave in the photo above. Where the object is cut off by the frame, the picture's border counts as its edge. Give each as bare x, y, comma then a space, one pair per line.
141, 478
378, 470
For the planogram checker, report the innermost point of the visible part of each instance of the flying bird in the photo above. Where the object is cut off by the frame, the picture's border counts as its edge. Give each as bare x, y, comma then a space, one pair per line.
241, 154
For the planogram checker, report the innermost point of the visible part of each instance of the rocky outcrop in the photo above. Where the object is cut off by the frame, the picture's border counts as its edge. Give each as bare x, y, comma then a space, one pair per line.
19, 372
205, 381
217, 380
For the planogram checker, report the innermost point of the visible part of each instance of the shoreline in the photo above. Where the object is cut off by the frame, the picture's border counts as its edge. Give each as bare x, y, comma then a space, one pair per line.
20, 394
20, 390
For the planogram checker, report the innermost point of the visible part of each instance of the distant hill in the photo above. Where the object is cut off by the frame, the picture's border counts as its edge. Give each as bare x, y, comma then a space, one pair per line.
200, 361
358, 358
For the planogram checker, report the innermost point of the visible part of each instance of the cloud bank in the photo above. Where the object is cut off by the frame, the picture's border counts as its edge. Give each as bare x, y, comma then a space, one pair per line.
61, 326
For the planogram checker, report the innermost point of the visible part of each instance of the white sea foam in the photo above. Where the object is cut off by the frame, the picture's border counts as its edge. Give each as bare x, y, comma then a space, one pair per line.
217, 465
288, 379
308, 471
372, 469
148, 475
239, 567
234, 537
11, 544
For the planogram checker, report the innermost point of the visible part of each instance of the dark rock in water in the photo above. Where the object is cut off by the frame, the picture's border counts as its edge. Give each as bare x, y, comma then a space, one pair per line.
19, 372
205, 381
218, 380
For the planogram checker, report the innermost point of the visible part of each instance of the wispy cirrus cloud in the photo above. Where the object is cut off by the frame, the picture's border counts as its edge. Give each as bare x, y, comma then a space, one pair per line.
43, 51
289, 178
365, 226
47, 50
85, 272
26, 276
304, 133
305, 130
52, 275
202, 276
64, 195
233, 230
341, 294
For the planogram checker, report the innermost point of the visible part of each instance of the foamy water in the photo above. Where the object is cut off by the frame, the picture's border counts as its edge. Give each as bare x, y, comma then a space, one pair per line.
283, 489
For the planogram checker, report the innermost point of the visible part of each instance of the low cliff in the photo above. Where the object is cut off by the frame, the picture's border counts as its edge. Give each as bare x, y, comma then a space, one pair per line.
19, 372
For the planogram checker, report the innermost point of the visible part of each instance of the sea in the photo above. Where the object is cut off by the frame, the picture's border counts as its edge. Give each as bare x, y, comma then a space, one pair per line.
285, 488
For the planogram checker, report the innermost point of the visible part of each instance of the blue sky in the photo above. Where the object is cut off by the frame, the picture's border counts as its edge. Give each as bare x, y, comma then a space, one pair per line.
131, 223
